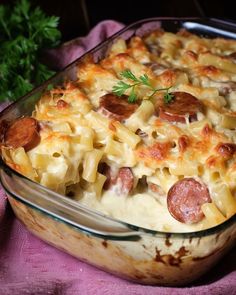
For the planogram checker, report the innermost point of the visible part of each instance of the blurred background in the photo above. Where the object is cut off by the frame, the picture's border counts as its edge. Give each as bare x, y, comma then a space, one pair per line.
79, 16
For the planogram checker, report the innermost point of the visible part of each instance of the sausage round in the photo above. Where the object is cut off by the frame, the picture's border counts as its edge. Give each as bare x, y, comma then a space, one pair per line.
116, 107
126, 180
182, 105
122, 180
23, 132
185, 198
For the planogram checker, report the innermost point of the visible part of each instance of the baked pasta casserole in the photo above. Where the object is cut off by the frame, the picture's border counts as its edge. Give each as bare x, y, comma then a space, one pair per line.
146, 135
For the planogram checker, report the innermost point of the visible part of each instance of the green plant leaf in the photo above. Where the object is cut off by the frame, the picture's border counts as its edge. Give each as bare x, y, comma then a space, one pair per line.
25, 32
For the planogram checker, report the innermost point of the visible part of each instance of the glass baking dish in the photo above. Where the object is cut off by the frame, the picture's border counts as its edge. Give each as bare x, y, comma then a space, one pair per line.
131, 252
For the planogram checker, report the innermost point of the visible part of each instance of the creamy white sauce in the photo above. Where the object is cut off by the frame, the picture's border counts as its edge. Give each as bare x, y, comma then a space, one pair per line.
142, 209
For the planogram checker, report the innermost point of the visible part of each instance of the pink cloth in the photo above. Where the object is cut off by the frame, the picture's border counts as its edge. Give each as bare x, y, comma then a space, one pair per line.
30, 266
71, 50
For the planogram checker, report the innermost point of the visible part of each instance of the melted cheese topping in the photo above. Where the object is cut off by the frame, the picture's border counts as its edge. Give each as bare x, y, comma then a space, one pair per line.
76, 137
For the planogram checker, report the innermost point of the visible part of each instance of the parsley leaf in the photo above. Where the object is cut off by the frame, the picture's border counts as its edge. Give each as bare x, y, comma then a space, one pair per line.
129, 75
144, 80
132, 97
168, 97
120, 88
24, 32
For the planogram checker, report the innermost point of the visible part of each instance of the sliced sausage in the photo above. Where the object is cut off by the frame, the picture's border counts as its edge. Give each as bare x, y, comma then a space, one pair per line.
116, 107
185, 198
125, 181
183, 104
23, 132
122, 180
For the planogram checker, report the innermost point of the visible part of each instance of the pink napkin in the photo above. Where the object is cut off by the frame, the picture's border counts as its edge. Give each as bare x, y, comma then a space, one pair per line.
30, 266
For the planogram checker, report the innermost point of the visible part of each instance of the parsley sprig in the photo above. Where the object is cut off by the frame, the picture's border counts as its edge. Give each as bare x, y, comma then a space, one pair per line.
24, 32
144, 80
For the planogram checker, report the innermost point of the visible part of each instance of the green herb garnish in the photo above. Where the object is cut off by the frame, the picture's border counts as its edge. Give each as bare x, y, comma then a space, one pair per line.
168, 96
24, 33
144, 80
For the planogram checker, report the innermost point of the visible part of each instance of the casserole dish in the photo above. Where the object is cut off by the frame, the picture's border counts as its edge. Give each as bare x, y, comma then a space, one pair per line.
133, 252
